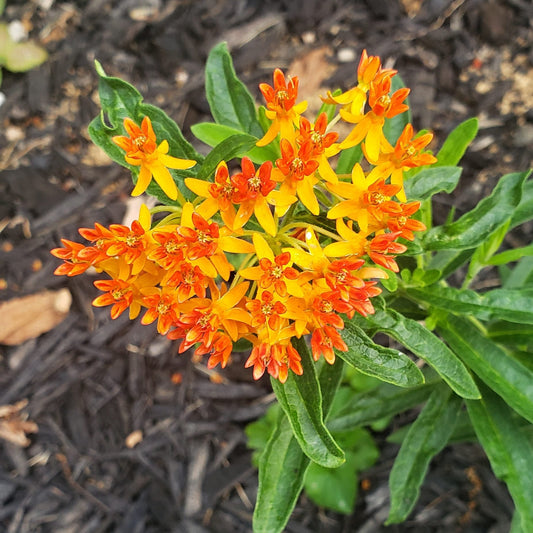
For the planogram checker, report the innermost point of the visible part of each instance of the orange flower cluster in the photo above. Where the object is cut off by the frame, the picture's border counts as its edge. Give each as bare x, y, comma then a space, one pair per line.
296, 275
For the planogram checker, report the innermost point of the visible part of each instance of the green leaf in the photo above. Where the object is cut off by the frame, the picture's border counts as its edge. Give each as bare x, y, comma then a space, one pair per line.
348, 158
120, 100
514, 305
524, 211
474, 227
226, 150
431, 180
427, 436
24, 56
448, 261
282, 470
230, 101
511, 255
336, 488
521, 275
511, 334
372, 359
283, 465
509, 452
213, 134
393, 127
457, 142
301, 399
427, 346
387, 400
511, 379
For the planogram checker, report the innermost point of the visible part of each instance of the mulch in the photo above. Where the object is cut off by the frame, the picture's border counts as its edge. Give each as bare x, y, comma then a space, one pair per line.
132, 436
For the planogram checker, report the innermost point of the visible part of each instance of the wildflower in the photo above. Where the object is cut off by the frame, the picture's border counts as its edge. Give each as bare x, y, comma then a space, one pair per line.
281, 107
219, 196
252, 191
323, 144
73, 264
154, 161
406, 154
366, 201
370, 125
273, 272
119, 294
296, 171
368, 71
265, 310
162, 306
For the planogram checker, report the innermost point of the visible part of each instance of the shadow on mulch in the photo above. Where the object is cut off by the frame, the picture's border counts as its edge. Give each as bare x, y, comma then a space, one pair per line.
93, 383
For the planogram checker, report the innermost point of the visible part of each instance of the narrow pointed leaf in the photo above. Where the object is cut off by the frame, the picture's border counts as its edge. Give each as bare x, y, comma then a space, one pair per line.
427, 436
524, 210
372, 359
283, 464
384, 401
230, 101
457, 142
506, 375
509, 451
213, 134
474, 227
301, 399
430, 181
514, 305
427, 346
348, 158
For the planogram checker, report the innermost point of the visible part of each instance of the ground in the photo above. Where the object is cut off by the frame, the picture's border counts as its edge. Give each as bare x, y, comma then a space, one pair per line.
96, 386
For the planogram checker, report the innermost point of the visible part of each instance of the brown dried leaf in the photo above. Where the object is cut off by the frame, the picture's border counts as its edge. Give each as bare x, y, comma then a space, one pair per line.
27, 317
14, 425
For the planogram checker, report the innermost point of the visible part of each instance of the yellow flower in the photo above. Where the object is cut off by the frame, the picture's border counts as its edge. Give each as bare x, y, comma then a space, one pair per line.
142, 150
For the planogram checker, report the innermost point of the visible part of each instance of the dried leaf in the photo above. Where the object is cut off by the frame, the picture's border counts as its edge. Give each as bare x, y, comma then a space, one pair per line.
27, 317
14, 425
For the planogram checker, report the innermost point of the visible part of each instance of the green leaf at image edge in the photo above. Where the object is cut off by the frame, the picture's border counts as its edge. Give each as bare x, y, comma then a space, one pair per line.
427, 436
510, 453
283, 464
506, 375
457, 142
474, 227
301, 399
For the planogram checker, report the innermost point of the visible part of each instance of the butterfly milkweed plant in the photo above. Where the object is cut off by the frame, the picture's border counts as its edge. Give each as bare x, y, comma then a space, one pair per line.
302, 244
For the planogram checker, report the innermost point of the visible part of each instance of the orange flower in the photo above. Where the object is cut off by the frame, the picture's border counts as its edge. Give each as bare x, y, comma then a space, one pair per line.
119, 294
297, 172
368, 71
252, 192
219, 196
265, 310
323, 340
370, 125
322, 143
73, 264
405, 155
142, 151
163, 307
281, 107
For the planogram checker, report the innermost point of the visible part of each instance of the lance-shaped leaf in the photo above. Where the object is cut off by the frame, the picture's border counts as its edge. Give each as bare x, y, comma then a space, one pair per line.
513, 305
524, 210
505, 374
213, 134
348, 158
430, 181
228, 149
427, 346
473, 228
283, 465
372, 359
509, 451
384, 401
301, 399
457, 142
427, 436
230, 101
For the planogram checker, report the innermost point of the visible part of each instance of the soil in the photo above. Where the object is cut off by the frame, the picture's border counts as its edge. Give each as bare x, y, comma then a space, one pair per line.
131, 436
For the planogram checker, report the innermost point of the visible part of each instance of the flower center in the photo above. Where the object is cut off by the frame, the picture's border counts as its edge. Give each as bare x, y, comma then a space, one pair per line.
139, 141
277, 272
162, 308
376, 198
254, 183
132, 240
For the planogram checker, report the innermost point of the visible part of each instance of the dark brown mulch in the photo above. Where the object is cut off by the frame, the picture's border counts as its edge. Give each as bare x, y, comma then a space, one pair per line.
91, 382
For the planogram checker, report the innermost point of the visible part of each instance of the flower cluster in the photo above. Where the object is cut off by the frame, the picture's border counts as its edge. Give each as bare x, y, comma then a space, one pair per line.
274, 251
